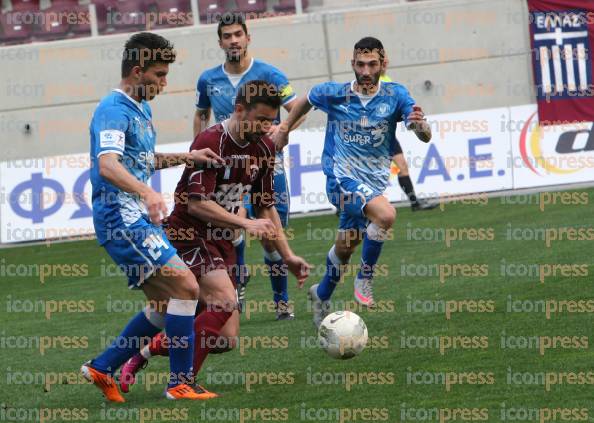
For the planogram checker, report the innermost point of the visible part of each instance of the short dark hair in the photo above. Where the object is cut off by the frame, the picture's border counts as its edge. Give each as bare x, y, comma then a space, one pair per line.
258, 92
231, 18
145, 49
370, 45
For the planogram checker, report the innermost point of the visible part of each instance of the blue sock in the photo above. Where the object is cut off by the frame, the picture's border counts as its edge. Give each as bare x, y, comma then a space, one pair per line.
369, 255
179, 328
241, 276
331, 277
278, 276
137, 332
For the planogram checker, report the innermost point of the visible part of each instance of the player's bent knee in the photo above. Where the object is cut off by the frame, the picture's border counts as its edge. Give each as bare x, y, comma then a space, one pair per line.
344, 252
230, 302
385, 219
186, 288
222, 299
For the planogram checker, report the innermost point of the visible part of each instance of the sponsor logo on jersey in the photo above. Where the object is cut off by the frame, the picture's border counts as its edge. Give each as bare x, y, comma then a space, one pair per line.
112, 138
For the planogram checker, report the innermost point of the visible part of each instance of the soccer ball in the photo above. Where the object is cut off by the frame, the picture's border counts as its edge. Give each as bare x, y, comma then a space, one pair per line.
342, 334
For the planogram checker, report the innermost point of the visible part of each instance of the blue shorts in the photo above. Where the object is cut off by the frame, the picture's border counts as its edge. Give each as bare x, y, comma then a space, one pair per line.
282, 200
139, 250
350, 197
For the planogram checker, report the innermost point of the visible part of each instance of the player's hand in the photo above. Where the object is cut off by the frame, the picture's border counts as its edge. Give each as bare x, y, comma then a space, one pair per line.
279, 137
273, 130
260, 228
299, 267
418, 123
416, 115
155, 205
205, 156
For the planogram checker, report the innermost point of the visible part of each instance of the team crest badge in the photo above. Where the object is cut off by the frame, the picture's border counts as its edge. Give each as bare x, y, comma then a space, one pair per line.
383, 109
253, 172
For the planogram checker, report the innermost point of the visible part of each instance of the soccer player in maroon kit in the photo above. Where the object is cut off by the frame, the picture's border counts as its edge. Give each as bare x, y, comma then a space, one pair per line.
203, 222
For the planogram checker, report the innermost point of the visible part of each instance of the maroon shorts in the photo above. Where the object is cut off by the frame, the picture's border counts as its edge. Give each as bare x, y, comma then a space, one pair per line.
203, 256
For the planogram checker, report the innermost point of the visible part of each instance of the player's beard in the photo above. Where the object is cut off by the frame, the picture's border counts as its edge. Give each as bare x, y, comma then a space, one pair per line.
371, 83
147, 89
150, 92
235, 56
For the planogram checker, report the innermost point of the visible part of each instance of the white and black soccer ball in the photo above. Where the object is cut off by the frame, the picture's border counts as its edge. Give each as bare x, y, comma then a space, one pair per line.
342, 334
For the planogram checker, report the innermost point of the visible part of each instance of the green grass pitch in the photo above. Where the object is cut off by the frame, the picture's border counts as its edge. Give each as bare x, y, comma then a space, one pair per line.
499, 351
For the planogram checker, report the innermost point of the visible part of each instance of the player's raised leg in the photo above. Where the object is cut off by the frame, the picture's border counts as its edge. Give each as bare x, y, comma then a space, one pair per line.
172, 293
158, 346
350, 228
382, 216
177, 283
221, 302
338, 256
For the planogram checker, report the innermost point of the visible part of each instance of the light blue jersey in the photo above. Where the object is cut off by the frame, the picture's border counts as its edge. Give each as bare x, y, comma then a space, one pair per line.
361, 131
122, 126
216, 90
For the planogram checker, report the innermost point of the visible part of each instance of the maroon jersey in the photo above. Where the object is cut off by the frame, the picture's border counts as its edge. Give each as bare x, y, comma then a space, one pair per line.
247, 170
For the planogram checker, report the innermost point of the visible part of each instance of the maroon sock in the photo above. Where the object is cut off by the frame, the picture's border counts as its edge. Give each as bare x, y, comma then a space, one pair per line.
207, 329
158, 345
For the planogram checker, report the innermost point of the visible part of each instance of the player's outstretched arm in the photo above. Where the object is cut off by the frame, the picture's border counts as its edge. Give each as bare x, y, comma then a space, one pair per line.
275, 128
116, 174
297, 265
209, 211
201, 119
299, 109
204, 156
418, 123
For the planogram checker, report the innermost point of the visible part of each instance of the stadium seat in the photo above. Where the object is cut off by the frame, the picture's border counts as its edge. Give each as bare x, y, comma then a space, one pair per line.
129, 15
173, 13
251, 6
288, 6
13, 33
102, 7
210, 10
25, 5
74, 15
54, 24
83, 21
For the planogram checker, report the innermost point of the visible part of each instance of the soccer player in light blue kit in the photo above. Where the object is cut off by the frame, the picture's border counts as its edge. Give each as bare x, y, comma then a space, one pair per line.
127, 215
359, 145
216, 90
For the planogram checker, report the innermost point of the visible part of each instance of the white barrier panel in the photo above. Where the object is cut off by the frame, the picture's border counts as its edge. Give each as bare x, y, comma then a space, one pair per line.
303, 165
468, 153
471, 152
550, 155
51, 197
45, 198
